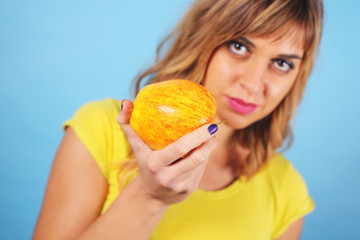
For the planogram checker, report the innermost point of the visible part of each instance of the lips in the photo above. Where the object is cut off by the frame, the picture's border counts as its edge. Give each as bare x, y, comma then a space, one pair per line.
240, 106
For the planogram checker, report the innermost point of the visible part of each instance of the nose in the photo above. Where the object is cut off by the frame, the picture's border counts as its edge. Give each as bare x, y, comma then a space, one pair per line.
254, 76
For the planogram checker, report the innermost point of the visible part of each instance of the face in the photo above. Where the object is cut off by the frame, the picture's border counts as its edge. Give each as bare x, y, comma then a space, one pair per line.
250, 76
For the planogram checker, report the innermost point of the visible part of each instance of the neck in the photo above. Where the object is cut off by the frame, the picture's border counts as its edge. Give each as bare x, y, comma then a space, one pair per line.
227, 145
224, 162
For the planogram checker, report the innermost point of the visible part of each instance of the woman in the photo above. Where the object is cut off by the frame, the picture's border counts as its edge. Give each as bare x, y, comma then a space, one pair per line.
255, 58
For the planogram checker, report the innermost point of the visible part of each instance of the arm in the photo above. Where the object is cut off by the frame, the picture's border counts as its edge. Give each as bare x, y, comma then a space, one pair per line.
294, 231
76, 190
75, 194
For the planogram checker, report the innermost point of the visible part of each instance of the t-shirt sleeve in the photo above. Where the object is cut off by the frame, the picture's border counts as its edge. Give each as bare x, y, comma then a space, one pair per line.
93, 124
294, 201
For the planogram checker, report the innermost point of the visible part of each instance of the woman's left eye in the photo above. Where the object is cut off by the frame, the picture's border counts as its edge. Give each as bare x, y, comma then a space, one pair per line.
283, 65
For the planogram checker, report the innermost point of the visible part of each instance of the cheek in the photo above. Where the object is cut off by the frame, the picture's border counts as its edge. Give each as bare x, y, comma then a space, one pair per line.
215, 71
278, 90
220, 74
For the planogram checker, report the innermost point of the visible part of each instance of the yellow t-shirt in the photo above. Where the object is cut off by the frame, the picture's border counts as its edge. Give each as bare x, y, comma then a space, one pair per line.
260, 208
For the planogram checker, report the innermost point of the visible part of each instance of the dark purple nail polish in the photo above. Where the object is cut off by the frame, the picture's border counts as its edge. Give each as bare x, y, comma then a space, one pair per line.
212, 128
121, 105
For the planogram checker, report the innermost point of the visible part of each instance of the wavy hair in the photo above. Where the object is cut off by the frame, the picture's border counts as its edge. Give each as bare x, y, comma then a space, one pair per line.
208, 24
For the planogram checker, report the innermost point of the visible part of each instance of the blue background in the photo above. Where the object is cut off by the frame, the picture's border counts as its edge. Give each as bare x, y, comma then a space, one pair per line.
58, 55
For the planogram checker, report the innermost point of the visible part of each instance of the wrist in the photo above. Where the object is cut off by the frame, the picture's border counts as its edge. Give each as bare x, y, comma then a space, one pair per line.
138, 191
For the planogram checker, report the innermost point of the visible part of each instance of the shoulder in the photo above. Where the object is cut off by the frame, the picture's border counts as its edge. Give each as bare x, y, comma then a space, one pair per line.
291, 182
279, 168
95, 125
96, 115
99, 109
292, 199
286, 183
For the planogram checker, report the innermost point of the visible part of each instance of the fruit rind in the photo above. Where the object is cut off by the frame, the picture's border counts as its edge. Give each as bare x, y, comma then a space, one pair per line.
165, 111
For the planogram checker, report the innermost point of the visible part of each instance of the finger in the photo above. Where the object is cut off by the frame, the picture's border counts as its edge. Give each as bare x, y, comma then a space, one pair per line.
192, 179
123, 120
125, 113
189, 181
186, 143
197, 158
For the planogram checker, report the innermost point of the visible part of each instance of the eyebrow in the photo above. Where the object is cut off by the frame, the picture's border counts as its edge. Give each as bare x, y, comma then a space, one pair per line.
292, 56
247, 41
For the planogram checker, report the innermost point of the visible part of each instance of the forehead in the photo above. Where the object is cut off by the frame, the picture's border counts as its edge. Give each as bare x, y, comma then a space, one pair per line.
291, 39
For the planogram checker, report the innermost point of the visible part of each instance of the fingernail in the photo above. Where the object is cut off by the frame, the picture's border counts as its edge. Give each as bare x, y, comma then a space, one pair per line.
121, 105
212, 128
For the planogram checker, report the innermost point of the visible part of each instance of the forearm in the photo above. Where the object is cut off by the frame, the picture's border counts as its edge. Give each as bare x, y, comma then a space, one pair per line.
133, 215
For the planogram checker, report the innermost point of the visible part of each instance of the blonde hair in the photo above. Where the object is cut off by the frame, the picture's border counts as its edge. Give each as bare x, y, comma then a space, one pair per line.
208, 24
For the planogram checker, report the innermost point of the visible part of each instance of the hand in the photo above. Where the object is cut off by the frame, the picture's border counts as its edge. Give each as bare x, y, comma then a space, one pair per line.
171, 174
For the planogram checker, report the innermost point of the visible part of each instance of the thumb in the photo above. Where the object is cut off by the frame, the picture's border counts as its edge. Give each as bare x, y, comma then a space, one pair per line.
123, 120
125, 113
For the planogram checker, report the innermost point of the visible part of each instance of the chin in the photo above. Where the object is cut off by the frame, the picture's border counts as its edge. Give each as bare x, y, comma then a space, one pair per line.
236, 122
238, 125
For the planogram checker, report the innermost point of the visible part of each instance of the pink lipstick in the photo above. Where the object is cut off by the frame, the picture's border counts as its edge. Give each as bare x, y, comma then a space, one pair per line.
240, 106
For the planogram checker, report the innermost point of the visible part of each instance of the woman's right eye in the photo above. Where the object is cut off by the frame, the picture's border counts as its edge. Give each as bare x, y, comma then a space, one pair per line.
238, 48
